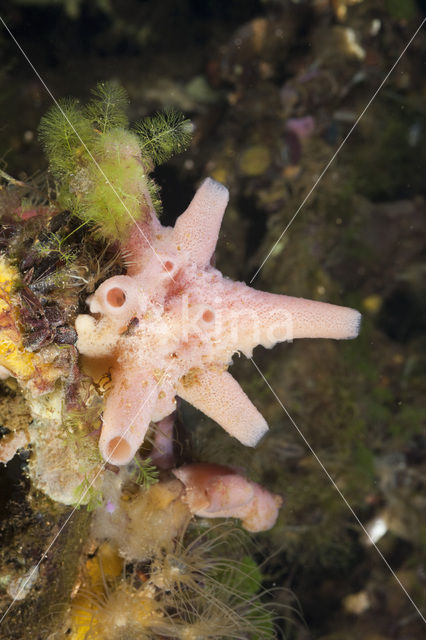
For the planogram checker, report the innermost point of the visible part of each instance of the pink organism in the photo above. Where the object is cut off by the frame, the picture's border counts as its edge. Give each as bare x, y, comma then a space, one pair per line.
216, 491
301, 127
171, 326
162, 448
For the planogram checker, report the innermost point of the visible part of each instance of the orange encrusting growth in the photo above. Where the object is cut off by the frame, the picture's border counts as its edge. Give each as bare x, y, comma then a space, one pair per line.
26, 366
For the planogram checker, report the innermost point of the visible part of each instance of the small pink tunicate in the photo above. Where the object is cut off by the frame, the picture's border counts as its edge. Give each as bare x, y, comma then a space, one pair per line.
217, 491
301, 127
172, 324
162, 451
110, 507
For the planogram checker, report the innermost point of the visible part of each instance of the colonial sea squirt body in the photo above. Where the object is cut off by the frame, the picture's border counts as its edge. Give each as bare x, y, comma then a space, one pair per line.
171, 326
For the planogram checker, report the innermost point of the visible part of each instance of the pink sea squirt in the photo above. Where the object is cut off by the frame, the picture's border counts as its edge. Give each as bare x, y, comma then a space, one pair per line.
216, 491
172, 324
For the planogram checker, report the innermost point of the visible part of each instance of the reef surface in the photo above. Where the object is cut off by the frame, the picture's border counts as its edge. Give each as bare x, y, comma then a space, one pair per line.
272, 89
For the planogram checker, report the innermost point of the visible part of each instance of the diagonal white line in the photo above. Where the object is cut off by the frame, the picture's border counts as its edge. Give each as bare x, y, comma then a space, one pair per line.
85, 147
339, 492
68, 518
341, 145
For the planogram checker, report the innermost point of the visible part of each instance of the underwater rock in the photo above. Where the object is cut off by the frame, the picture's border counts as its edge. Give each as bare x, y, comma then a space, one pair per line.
60, 463
10, 443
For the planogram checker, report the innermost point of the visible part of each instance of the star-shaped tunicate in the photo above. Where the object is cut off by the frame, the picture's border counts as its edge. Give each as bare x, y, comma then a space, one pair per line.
171, 326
